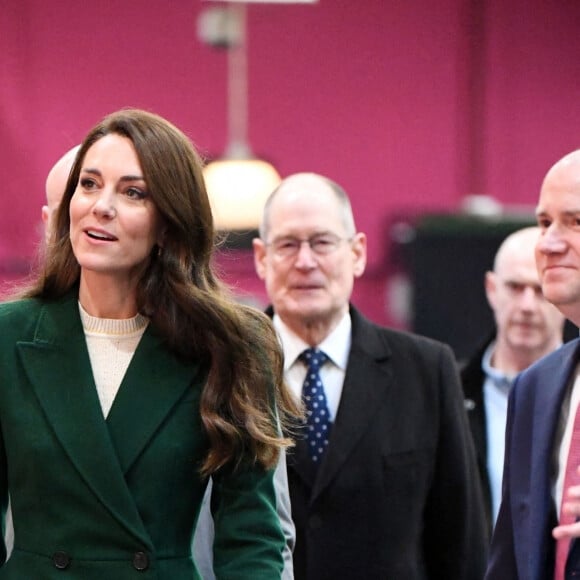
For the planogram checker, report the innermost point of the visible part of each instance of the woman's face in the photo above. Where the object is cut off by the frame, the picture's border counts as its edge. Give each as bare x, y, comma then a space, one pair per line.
114, 223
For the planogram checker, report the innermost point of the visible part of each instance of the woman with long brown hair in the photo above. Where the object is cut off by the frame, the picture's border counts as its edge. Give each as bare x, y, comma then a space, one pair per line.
128, 376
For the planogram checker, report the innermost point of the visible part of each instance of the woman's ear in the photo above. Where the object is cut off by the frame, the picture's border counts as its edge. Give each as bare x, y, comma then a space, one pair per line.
161, 236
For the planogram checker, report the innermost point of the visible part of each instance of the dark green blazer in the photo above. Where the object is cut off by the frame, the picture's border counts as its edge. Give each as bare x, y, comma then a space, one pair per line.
112, 499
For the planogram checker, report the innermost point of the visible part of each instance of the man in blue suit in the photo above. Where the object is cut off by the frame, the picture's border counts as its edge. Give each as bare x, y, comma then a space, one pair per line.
536, 531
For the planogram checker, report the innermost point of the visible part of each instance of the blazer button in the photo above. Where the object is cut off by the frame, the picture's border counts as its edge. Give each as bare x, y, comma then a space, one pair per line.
61, 560
140, 561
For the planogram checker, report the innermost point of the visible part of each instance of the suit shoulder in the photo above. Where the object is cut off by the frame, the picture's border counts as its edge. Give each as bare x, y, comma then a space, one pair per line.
553, 361
407, 339
400, 343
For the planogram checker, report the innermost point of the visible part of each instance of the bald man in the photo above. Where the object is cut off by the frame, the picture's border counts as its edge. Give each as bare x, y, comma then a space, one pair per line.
55, 185
527, 328
382, 479
538, 523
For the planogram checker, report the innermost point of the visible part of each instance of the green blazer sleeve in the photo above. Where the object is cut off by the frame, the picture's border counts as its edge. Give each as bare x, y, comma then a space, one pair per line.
3, 499
248, 547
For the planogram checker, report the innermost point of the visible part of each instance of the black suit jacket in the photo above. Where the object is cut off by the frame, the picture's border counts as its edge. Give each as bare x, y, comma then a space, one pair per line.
472, 378
396, 495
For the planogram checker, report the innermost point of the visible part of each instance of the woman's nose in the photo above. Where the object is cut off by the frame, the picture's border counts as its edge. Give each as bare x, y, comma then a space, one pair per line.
105, 205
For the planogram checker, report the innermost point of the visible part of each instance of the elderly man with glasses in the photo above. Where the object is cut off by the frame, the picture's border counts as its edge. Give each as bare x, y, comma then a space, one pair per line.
382, 480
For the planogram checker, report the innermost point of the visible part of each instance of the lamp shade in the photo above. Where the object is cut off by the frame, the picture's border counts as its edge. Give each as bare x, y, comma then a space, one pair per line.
238, 183
238, 190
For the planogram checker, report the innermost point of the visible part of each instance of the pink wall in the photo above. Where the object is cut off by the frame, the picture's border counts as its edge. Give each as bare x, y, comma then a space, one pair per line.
533, 112
387, 98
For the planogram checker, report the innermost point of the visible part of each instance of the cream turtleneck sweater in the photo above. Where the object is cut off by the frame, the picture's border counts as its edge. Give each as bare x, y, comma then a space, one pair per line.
111, 344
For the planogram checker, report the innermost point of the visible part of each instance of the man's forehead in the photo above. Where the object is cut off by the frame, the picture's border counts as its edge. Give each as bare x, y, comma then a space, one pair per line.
518, 268
560, 195
316, 204
563, 178
307, 232
304, 184
565, 209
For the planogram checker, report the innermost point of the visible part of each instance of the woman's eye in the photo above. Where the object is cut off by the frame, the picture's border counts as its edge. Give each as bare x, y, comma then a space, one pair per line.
135, 193
88, 183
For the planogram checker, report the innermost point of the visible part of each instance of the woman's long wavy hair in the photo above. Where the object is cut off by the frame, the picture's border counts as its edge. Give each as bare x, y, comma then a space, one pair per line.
185, 302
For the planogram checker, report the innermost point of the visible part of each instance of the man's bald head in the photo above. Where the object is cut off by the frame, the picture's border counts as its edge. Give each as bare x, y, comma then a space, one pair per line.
55, 186
519, 245
558, 248
527, 325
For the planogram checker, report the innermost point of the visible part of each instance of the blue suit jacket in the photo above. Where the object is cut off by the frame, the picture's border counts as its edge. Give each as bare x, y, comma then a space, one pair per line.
522, 546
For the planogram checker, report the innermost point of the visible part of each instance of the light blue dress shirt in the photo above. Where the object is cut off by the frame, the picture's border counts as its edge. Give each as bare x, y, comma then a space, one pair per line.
496, 390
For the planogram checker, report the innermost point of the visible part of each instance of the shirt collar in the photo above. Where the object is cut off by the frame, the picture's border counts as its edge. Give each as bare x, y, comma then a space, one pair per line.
336, 345
500, 379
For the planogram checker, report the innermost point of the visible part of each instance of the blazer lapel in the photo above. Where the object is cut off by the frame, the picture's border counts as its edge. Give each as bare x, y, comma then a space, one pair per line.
155, 381
359, 399
58, 367
473, 379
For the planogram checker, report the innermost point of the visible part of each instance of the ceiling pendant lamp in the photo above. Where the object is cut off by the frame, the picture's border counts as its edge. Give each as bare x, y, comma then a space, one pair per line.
238, 183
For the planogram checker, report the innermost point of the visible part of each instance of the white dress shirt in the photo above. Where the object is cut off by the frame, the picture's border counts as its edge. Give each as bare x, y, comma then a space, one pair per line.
566, 427
336, 346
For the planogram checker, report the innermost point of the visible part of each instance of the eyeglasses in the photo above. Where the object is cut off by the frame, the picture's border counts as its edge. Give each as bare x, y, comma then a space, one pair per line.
321, 245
